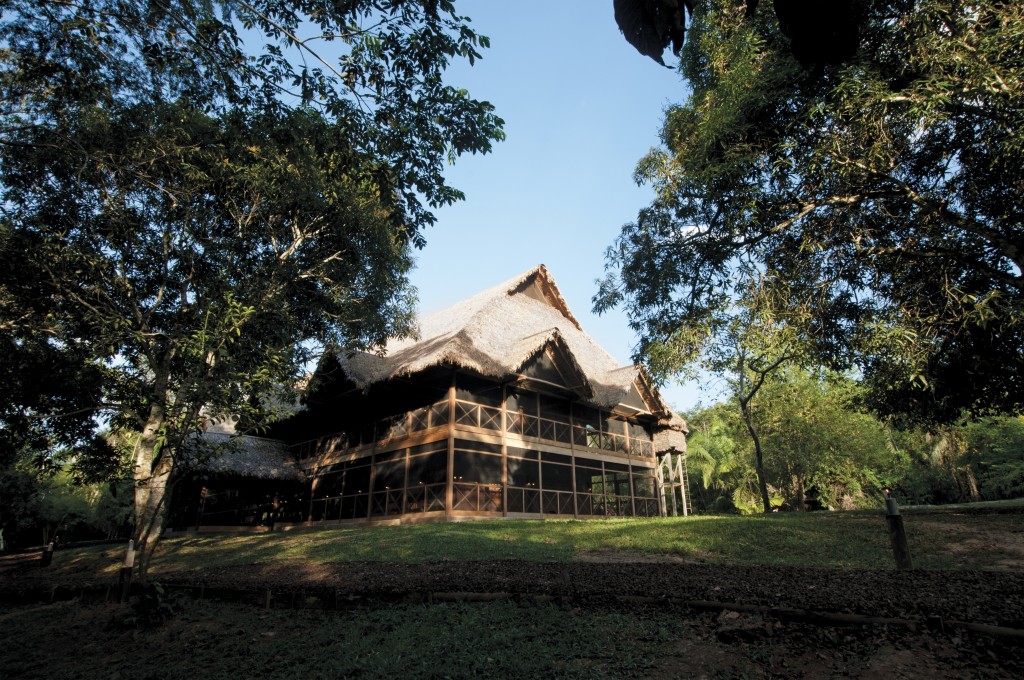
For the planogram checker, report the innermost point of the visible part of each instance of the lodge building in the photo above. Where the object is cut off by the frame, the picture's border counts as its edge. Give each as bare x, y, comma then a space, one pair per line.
503, 407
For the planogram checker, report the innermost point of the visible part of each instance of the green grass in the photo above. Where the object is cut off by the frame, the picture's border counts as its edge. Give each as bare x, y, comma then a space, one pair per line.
977, 506
938, 540
211, 639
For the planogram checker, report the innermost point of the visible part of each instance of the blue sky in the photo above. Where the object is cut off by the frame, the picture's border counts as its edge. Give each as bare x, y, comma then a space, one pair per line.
581, 107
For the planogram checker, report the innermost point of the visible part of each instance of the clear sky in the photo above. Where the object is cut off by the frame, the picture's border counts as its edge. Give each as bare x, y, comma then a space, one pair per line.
581, 107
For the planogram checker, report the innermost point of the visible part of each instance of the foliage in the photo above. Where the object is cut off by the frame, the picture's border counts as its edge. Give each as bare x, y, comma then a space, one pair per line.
19, 505
818, 446
996, 450
47, 378
34, 505
880, 197
194, 215
821, 446
717, 465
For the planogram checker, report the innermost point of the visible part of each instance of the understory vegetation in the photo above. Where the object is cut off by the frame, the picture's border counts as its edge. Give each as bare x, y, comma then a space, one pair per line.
822, 450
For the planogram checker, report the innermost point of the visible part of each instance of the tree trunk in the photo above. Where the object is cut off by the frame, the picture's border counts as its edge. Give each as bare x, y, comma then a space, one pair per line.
758, 456
152, 495
154, 462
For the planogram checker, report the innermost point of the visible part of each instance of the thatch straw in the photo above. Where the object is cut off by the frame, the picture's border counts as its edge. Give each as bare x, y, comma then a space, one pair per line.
496, 332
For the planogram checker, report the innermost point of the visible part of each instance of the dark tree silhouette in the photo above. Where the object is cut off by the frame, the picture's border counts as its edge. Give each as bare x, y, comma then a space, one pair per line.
819, 33
651, 25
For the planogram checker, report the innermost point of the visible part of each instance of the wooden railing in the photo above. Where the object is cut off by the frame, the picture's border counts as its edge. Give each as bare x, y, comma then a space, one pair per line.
471, 414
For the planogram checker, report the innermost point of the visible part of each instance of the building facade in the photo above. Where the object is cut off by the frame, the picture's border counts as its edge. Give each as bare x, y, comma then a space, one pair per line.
503, 407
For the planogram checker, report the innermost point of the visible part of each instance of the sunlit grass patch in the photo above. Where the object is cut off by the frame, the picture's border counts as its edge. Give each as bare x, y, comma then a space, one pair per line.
938, 540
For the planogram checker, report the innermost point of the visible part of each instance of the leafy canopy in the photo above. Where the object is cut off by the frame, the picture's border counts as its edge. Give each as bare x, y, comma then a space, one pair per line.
882, 198
200, 193
168, 180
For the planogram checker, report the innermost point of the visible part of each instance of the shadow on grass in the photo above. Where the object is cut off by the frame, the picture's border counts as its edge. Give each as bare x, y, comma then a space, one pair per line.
831, 540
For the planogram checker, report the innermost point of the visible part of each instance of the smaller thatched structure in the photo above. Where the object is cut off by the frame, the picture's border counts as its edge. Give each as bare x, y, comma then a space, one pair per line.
237, 480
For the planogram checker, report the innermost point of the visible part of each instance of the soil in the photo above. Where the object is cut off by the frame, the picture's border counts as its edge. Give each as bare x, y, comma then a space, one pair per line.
734, 621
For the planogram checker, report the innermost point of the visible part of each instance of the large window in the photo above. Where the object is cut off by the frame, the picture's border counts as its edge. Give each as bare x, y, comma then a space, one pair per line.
428, 470
471, 466
478, 470
524, 473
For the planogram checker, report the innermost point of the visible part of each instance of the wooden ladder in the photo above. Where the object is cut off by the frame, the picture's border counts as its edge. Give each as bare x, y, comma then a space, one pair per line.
671, 475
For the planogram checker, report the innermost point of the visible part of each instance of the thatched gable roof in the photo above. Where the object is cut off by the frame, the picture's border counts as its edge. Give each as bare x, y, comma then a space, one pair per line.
671, 435
498, 331
242, 455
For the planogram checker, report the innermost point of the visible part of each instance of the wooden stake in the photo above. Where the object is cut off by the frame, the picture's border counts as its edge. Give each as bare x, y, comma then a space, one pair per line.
125, 578
897, 534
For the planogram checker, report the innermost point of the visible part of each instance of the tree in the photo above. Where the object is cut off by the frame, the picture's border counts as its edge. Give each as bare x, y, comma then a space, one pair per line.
720, 473
818, 445
819, 34
748, 339
821, 445
995, 447
201, 214
884, 195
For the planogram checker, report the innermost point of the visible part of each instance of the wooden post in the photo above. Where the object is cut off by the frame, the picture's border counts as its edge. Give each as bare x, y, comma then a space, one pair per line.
47, 556
672, 482
125, 579
449, 489
659, 478
897, 534
504, 450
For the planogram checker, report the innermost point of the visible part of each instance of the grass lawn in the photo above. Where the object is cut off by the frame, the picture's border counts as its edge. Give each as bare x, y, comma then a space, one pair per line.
939, 539
211, 639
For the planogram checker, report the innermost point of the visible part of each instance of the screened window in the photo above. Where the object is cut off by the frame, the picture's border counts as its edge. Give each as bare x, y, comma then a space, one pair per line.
584, 415
617, 483
389, 475
643, 486
556, 477
556, 458
357, 479
329, 485
477, 467
523, 453
553, 408
588, 480
477, 390
483, 447
429, 468
638, 431
521, 401
523, 473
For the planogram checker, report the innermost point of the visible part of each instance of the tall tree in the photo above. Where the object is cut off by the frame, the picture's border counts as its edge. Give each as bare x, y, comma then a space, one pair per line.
202, 212
748, 339
822, 445
884, 194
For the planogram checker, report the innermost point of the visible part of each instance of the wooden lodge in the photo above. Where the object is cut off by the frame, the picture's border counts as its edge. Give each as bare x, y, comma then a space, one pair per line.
503, 407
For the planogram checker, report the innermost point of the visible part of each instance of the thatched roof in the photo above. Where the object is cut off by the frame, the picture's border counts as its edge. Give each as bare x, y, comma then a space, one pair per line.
496, 332
671, 435
242, 455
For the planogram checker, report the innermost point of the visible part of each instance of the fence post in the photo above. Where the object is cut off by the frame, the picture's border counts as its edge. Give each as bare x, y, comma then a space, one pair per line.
897, 534
125, 580
47, 557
